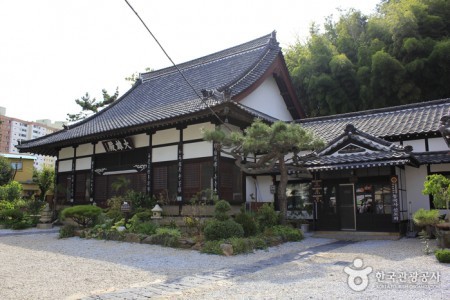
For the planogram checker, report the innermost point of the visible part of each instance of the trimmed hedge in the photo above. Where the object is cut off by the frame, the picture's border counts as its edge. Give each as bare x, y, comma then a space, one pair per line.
443, 255
83, 215
219, 230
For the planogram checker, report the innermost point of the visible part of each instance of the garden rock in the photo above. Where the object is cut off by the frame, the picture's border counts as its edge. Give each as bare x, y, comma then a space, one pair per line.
147, 240
132, 238
227, 249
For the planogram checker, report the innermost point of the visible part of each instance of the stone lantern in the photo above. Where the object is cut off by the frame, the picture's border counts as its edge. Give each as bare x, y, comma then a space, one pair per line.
46, 218
157, 211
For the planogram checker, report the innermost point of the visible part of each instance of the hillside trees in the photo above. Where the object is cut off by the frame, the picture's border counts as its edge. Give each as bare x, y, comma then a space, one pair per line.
399, 55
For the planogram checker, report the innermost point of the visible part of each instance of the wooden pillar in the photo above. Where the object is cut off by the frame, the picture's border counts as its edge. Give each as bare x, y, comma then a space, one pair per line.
72, 176
92, 177
149, 183
56, 181
216, 161
180, 155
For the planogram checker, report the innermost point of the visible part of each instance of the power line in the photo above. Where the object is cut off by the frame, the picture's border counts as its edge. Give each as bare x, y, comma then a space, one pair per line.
176, 67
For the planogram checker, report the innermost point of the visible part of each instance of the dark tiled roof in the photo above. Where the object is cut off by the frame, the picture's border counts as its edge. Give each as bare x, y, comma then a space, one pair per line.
356, 161
439, 157
164, 94
412, 119
370, 151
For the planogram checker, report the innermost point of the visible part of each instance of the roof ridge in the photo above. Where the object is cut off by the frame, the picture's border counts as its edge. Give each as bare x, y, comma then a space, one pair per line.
211, 57
377, 110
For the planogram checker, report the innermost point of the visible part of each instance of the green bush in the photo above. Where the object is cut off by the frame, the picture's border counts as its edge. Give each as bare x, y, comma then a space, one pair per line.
168, 237
22, 224
286, 233
218, 230
83, 215
221, 210
6, 205
443, 255
11, 191
266, 216
248, 223
11, 216
147, 228
114, 215
140, 201
67, 231
424, 217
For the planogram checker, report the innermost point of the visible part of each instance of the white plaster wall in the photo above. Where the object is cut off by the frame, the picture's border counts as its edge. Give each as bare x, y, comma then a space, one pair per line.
83, 163
264, 183
165, 153
140, 140
193, 132
250, 188
167, 136
267, 99
440, 168
85, 149
99, 148
65, 166
415, 177
196, 150
66, 153
437, 144
418, 145
260, 187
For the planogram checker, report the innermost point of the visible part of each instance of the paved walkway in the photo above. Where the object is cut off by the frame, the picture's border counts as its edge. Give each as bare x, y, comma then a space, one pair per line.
176, 286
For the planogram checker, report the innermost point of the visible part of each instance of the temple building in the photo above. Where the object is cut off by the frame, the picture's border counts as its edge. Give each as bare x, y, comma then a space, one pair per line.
368, 177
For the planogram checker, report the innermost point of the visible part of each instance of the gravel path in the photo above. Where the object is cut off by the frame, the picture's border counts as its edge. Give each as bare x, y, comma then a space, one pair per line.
40, 266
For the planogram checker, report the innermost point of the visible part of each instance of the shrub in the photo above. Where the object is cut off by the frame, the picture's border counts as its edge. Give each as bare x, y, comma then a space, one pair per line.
21, 224
147, 228
424, 217
6, 205
11, 216
443, 255
248, 223
266, 216
11, 191
139, 200
286, 233
67, 231
218, 230
212, 247
221, 210
84, 215
168, 237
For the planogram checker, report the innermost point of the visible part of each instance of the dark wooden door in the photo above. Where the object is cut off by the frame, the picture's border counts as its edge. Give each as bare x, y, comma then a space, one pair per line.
347, 206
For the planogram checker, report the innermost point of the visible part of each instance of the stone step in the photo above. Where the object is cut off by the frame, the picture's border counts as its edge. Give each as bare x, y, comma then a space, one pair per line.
357, 235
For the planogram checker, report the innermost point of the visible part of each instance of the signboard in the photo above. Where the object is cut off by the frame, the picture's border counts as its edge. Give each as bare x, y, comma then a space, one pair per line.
395, 199
272, 189
216, 158
118, 145
316, 186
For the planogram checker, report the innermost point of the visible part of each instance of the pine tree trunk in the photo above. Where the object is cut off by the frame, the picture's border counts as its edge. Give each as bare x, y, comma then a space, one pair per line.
282, 199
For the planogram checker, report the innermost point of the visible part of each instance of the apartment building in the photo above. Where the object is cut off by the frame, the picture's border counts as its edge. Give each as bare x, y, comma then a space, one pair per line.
13, 130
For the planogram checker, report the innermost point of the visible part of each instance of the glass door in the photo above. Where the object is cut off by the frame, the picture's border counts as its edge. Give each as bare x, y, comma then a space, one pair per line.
347, 213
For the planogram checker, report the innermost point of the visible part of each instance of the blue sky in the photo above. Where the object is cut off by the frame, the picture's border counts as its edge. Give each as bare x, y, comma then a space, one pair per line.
53, 52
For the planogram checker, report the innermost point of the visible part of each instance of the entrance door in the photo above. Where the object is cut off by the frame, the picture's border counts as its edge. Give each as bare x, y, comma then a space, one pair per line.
347, 213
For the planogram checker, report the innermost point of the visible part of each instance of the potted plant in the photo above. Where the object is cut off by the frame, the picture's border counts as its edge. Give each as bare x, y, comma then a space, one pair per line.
438, 186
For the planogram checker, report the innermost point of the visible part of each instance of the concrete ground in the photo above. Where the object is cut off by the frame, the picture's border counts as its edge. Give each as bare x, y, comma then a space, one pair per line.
37, 265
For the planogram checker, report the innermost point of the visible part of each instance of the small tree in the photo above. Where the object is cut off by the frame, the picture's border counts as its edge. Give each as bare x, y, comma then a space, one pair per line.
277, 144
44, 179
5, 171
438, 186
